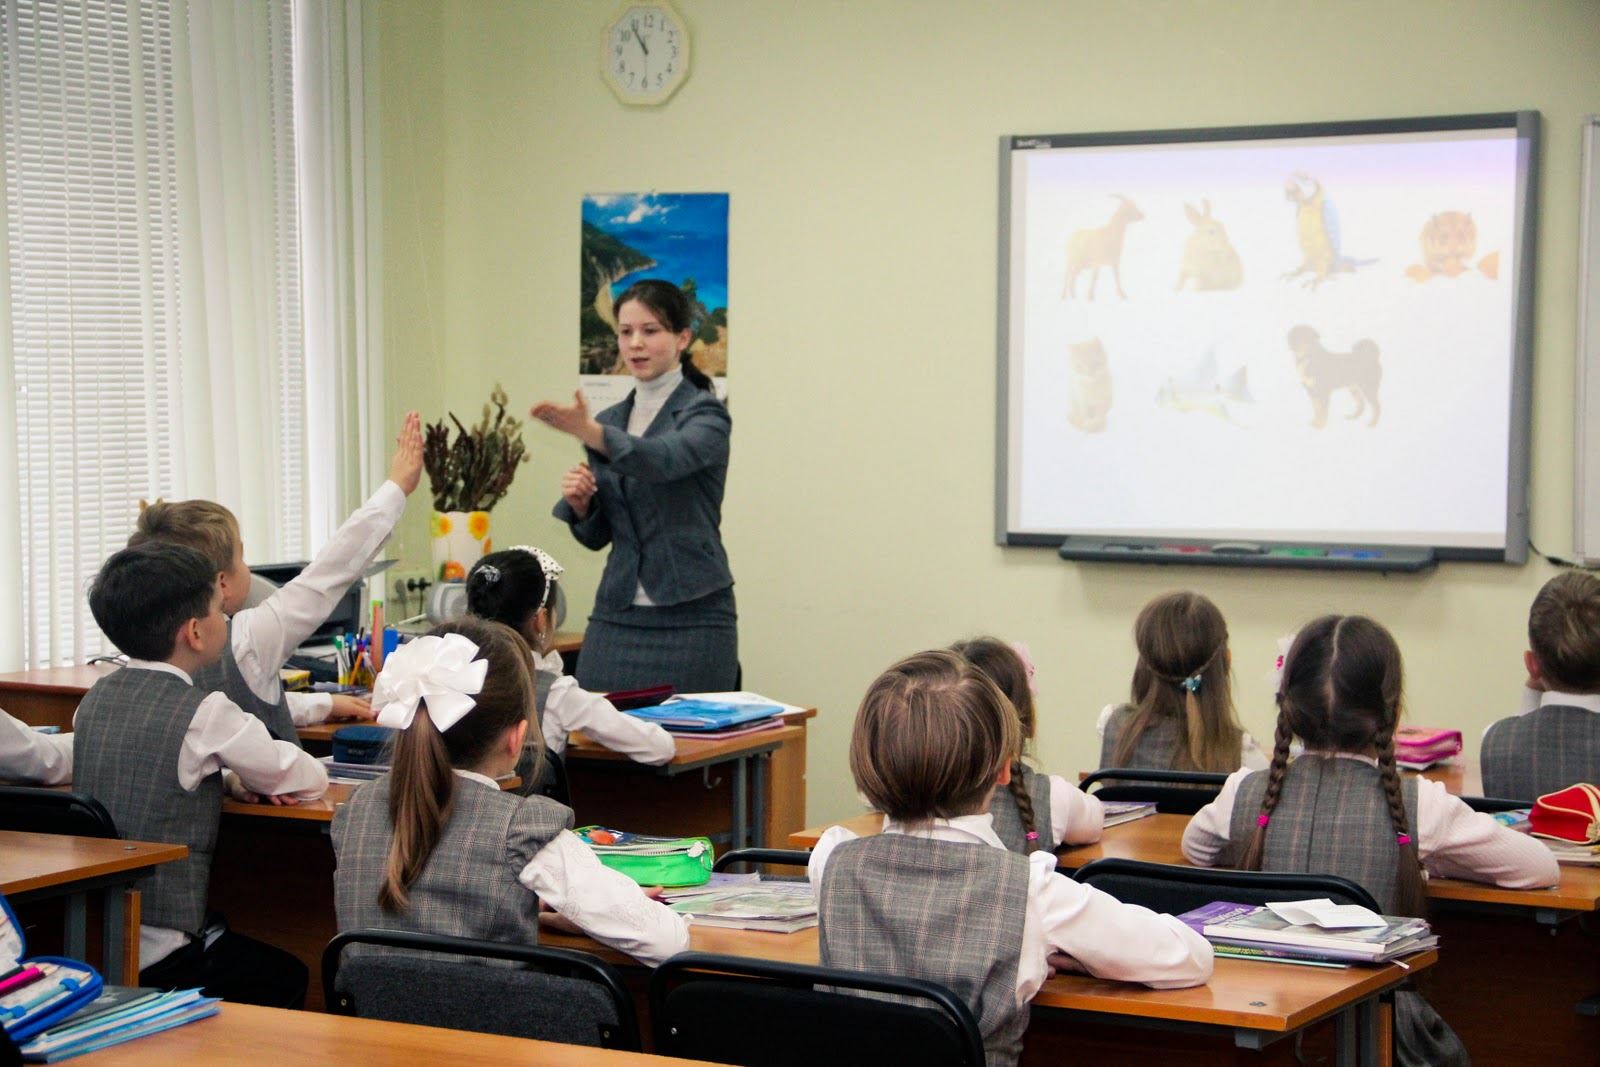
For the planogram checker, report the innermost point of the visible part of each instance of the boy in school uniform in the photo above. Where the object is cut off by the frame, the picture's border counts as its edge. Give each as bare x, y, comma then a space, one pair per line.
1554, 741
160, 753
261, 638
28, 757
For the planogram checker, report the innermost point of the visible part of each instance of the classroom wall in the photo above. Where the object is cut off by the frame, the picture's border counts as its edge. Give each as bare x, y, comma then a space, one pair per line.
858, 141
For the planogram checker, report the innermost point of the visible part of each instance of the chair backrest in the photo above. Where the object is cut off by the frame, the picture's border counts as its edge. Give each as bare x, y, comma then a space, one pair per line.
782, 857
436, 980
1174, 792
1175, 889
760, 1013
1494, 804
54, 811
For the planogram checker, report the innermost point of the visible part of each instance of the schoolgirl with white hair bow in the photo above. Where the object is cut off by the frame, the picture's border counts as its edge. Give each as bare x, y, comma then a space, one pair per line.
520, 587
436, 846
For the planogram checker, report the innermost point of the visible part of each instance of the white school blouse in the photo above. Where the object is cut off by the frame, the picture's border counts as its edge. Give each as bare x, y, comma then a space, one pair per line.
1108, 938
33, 758
224, 737
264, 636
1076, 818
1453, 841
608, 906
1251, 757
569, 707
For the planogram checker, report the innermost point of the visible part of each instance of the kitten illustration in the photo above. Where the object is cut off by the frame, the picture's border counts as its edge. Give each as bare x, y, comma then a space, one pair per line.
1089, 387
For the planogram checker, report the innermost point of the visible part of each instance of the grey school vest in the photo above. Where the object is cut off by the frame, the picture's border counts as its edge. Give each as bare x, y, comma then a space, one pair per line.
468, 887
224, 676
1008, 817
889, 903
129, 730
1331, 818
1157, 748
1540, 752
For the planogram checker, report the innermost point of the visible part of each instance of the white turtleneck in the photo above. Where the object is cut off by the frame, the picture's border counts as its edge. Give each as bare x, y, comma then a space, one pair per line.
648, 399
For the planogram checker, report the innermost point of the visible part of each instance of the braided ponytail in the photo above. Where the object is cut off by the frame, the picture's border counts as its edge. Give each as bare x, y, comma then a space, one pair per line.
1410, 896
1251, 861
1024, 799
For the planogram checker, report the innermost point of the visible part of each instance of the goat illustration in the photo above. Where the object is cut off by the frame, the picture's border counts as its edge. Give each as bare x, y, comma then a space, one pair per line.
1091, 249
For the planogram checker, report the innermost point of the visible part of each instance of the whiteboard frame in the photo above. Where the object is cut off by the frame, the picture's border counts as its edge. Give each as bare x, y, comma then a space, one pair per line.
1586, 474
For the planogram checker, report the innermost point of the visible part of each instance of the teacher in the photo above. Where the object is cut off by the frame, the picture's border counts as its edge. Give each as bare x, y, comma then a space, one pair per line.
652, 489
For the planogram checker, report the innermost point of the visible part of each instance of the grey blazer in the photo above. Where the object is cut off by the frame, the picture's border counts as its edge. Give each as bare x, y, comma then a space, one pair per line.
659, 502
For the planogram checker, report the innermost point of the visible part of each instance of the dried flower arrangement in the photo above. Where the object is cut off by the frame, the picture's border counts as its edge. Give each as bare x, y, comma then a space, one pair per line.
474, 471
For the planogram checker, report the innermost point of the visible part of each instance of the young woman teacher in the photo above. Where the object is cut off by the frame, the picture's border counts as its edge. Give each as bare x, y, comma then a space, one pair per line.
652, 490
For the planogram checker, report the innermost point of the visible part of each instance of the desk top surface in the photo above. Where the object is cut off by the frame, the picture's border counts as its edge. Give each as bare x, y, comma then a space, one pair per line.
41, 861
242, 1033
1158, 839
1241, 993
320, 810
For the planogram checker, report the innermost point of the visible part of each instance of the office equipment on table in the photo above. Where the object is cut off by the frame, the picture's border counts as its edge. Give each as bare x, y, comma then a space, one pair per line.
738, 1010
1172, 792
554, 995
1293, 392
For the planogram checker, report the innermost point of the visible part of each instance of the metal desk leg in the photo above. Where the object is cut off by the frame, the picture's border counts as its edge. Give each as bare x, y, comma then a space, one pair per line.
741, 785
1367, 1031
758, 800
111, 934
1346, 1051
77, 925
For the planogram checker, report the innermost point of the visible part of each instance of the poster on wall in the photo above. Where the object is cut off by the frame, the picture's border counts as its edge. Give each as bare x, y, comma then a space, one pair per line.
627, 237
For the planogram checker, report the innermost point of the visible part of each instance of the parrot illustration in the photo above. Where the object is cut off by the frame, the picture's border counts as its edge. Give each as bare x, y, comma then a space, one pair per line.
1317, 227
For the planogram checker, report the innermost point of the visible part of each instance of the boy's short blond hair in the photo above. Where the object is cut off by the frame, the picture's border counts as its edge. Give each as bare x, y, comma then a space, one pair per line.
203, 525
1564, 632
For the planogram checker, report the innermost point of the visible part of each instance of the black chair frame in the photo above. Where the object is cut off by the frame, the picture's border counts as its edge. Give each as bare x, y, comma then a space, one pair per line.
1494, 804
1212, 883
680, 969
782, 857
558, 961
1174, 792
54, 811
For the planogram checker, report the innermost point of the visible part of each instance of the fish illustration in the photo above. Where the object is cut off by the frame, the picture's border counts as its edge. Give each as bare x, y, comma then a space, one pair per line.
1202, 390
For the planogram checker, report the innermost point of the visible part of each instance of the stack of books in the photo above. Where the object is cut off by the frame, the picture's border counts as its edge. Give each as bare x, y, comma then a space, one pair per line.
1572, 854
1341, 936
747, 902
716, 715
1121, 811
120, 1014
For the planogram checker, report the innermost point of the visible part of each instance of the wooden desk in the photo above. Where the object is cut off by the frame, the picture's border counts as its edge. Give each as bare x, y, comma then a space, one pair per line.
46, 866
242, 1033
1253, 1004
49, 696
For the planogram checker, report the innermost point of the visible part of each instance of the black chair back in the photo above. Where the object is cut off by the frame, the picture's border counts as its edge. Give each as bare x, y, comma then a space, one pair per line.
1175, 889
53, 811
436, 980
1174, 792
782, 857
551, 781
1494, 804
759, 1013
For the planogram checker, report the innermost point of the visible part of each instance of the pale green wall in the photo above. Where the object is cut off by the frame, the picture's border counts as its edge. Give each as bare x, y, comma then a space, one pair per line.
858, 141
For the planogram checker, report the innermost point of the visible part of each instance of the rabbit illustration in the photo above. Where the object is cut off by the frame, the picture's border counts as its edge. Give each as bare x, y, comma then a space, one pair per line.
1208, 257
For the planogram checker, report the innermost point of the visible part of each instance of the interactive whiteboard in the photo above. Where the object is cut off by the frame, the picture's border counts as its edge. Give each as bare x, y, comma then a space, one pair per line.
1290, 335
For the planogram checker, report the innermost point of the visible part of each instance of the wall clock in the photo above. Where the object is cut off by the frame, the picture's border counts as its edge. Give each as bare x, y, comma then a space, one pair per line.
644, 55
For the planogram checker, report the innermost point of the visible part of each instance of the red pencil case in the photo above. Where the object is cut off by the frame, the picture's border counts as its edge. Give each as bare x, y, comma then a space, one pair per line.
623, 699
1570, 814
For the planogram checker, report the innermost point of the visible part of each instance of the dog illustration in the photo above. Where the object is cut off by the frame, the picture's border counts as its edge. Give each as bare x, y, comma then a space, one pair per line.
1322, 372
1089, 387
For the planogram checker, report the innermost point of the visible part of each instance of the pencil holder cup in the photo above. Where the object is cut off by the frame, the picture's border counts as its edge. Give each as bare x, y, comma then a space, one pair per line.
460, 539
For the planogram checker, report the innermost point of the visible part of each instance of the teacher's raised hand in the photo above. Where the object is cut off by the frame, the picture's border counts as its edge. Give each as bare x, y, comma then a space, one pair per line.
573, 419
578, 489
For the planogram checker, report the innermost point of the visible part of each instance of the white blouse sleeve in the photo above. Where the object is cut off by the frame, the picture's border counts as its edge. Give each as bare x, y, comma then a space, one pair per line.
608, 906
1207, 833
1076, 818
33, 758
222, 737
1454, 841
569, 708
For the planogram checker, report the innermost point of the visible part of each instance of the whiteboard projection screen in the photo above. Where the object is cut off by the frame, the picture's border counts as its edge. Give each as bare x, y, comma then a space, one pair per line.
1313, 334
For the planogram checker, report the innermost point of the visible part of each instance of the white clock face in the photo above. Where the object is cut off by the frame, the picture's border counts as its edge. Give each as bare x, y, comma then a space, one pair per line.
646, 53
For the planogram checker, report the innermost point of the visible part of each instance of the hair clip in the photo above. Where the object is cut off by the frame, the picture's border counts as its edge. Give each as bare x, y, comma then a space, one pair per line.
1263, 819
489, 572
1190, 684
1033, 835
1402, 840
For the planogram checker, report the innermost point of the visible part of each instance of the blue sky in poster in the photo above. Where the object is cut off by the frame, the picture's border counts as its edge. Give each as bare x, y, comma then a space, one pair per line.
685, 233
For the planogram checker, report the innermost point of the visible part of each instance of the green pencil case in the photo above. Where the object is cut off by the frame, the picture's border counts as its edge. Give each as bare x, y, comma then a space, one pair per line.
665, 861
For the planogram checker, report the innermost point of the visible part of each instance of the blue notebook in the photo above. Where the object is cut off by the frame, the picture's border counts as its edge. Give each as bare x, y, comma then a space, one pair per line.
690, 716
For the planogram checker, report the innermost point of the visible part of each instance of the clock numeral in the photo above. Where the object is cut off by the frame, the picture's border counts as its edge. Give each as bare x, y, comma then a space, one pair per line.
649, 21
670, 68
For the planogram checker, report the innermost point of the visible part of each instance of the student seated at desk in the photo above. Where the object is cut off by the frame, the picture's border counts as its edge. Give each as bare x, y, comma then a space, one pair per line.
436, 847
159, 753
518, 587
932, 741
261, 638
1341, 808
28, 757
1068, 814
1182, 715
1555, 741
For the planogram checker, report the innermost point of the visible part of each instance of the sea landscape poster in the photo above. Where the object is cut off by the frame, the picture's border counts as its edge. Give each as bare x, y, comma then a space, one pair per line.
677, 237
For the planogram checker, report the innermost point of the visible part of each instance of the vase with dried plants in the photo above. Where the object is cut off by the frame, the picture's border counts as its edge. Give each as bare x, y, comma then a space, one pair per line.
469, 473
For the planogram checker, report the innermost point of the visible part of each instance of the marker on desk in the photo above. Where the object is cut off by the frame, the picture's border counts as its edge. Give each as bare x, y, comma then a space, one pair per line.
1238, 548
1299, 552
1355, 553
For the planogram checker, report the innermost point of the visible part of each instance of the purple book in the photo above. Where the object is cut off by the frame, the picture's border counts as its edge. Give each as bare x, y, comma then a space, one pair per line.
1218, 911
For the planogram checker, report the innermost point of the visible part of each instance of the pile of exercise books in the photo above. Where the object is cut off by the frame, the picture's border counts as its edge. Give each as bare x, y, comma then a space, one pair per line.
120, 1014
1315, 933
747, 902
715, 715
1573, 854
1121, 811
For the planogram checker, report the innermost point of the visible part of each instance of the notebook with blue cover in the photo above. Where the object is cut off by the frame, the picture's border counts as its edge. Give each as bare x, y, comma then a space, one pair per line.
690, 715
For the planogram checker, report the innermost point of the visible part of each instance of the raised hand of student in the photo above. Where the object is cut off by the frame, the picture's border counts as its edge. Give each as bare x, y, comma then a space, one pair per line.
406, 468
578, 489
573, 419
351, 707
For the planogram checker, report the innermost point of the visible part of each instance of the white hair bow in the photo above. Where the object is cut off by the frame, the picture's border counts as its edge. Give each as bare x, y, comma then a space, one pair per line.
1276, 676
440, 670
